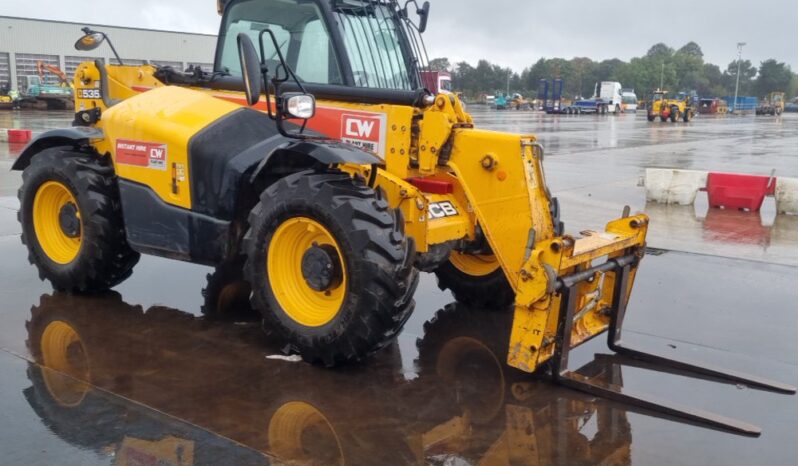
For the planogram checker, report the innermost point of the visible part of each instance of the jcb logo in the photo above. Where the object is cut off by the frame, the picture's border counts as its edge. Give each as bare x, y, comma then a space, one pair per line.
359, 127
441, 209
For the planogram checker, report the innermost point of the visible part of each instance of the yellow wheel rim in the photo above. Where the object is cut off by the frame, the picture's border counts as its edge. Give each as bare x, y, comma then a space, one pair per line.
50, 199
473, 265
298, 432
305, 305
66, 364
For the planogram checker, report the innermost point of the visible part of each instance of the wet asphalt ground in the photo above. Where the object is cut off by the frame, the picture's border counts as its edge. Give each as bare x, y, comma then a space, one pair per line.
139, 377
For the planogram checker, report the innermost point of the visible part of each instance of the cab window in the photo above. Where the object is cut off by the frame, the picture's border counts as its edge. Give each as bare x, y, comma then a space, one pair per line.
300, 32
373, 46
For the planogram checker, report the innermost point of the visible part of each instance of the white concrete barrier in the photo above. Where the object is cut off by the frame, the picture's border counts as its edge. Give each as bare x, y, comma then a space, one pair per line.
787, 195
669, 186
3, 135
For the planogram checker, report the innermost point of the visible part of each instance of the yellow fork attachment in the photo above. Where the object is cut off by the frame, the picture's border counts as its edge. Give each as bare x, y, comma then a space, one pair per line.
567, 290
557, 261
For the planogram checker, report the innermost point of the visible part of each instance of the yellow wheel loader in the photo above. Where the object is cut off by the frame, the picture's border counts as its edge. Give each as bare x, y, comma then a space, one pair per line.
678, 108
313, 156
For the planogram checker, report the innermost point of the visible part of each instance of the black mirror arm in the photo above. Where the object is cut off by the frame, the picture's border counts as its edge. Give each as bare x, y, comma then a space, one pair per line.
276, 83
288, 70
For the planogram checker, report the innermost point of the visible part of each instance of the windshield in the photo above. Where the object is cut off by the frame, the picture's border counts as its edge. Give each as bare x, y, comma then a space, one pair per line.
301, 35
445, 84
629, 99
372, 41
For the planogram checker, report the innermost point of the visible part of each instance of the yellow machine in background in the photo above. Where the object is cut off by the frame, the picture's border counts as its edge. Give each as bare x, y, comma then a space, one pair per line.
342, 182
772, 104
679, 108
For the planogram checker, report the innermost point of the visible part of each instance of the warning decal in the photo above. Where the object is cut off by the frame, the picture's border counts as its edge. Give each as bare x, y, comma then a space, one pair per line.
141, 154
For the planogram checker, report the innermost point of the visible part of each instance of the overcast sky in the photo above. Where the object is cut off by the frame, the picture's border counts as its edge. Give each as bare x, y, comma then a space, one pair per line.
513, 33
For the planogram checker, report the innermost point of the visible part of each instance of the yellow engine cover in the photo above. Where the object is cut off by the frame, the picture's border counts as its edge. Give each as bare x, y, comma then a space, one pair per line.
148, 136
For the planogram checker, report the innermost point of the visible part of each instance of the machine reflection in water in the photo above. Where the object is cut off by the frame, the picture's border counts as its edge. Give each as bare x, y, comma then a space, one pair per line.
465, 407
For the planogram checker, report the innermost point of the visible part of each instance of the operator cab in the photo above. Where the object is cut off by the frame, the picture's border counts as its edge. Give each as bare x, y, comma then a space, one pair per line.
369, 44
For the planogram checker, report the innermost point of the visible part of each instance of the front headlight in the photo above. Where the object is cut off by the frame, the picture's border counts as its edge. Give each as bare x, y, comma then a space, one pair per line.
298, 105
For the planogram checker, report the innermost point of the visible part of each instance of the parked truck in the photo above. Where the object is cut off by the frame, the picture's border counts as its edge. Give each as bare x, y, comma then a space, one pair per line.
607, 99
628, 101
438, 82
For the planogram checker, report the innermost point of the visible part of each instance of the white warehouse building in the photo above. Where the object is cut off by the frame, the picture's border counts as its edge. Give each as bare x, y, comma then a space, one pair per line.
24, 42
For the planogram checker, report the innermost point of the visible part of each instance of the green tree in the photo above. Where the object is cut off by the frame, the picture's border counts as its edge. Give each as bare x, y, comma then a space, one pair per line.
747, 74
773, 76
691, 48
681, 69
440, 64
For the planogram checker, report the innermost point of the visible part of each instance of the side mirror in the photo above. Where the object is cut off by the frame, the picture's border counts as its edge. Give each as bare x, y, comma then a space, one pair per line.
299, 105
250, 68
89, 41
423, 15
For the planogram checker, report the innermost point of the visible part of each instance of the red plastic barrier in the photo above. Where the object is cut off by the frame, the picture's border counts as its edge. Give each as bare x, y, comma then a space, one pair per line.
19, 135
736, 191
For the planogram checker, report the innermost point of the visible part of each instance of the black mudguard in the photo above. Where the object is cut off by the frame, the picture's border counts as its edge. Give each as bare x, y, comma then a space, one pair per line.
74, 137
245, 147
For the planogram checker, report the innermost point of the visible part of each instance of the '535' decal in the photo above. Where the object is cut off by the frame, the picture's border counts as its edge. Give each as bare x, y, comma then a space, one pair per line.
89, 94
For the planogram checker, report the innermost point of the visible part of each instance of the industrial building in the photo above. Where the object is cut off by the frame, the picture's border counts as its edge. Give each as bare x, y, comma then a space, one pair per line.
26, 41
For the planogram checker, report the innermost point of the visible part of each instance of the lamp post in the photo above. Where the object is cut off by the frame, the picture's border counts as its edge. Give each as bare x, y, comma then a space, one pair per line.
737, 86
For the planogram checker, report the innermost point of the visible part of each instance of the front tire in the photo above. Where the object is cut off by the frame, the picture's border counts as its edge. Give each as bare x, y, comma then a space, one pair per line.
72, 223
675, 114
477, 281
329, 266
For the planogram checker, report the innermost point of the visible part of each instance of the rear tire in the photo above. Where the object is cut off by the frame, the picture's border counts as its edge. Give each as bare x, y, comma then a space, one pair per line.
72, 222
651, 116
226, 295
365, 298
476, 281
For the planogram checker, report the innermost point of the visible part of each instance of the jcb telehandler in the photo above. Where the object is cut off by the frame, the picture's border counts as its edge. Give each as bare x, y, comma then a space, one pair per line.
344, 181
678, 108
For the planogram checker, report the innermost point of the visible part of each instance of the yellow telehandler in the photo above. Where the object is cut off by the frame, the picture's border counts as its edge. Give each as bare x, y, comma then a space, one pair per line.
313, 160
679, 107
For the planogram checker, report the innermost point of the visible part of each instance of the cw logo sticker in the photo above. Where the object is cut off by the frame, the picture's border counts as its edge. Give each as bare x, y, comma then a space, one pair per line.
363, 131
359, 127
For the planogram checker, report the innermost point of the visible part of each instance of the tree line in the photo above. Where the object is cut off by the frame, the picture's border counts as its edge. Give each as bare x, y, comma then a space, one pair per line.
680, 69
